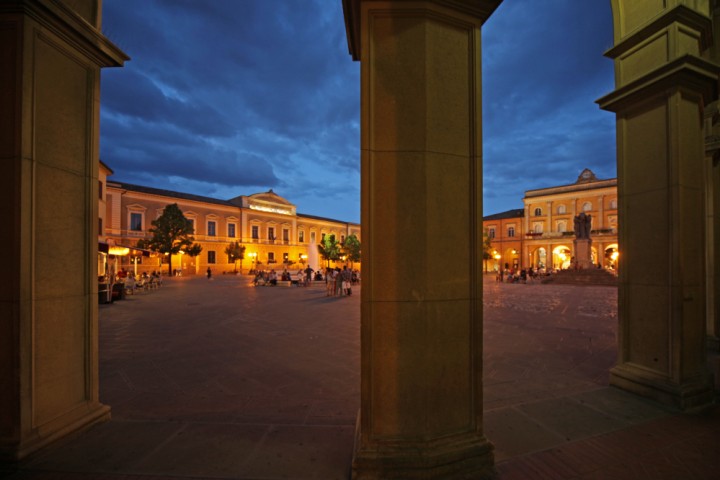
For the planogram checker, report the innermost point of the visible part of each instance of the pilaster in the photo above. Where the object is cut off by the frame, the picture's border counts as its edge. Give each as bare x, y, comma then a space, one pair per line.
50, 60
662, 84
421, 334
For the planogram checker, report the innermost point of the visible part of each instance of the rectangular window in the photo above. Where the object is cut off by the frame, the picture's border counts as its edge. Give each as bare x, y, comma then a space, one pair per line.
511, 231
211, 229
271, 257
286, 257
301, 236
286, 235
192, 224
211, 256
136, 222
312, 236
100, 231
231, 230
100, 192
255, 232
491, 232
271, 233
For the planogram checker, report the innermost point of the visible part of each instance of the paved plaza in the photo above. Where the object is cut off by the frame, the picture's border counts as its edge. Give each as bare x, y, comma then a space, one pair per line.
218, 380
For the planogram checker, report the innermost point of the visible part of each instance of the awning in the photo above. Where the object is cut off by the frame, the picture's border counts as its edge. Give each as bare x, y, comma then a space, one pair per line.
122, 250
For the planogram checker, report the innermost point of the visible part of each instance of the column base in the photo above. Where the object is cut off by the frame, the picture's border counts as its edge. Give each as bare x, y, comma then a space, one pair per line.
74, 422
459, 457
693, 394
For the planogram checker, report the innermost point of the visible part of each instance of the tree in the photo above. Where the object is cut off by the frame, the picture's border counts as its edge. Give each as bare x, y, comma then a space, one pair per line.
351, 249
172, 233
487, 247
329, 249
236, 252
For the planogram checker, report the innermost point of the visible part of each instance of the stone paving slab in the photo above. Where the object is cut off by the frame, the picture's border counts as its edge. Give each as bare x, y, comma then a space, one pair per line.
218, 379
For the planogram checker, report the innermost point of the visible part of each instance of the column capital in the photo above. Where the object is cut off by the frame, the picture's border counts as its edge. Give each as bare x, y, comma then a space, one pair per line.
692, 72
79, 25
480, 9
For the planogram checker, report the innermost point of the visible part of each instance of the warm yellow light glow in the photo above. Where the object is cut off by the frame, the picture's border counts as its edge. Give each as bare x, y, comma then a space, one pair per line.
497, 256
615, 255
303, 256
120, 251
562, 256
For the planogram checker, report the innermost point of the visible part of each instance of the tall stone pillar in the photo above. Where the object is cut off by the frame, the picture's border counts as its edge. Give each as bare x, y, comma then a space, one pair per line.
662, 84
712, 189
50, 58
421, 403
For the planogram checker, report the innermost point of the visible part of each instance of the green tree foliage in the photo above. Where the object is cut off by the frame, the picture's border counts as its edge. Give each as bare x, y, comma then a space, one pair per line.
171, 233
351, 249
487, 247
329, 249
236, 252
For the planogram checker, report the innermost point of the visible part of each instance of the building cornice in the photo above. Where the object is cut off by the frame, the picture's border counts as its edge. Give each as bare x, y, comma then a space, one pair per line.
575, 187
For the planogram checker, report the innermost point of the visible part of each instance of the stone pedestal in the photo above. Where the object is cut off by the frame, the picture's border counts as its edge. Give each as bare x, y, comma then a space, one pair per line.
50, 59
421, 410
583, 253
662, 85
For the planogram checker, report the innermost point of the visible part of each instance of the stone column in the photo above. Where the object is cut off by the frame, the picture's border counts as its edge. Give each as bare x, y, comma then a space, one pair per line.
50, 60
601, 213
713, 238
421, 179
662, 85
712, 189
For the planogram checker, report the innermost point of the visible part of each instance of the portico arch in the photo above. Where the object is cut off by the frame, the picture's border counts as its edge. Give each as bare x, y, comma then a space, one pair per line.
660, 96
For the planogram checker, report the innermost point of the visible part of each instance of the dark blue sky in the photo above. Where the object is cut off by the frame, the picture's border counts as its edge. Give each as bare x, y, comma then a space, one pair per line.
232, 97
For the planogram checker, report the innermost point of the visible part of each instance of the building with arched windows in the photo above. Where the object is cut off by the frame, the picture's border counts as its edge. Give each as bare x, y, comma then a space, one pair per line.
273, 233
541, 234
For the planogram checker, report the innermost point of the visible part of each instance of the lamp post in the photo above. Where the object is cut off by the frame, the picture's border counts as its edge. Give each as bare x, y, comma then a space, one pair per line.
253, 257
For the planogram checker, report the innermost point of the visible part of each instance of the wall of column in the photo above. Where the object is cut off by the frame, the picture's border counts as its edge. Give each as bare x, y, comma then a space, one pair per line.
50, 63
662, 84
421, 334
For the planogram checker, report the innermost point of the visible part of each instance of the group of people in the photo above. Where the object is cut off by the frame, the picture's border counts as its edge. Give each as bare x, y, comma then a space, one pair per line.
142, 281
516, 276
339, 282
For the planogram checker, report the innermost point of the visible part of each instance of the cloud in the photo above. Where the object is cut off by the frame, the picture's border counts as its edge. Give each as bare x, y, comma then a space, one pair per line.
226, 95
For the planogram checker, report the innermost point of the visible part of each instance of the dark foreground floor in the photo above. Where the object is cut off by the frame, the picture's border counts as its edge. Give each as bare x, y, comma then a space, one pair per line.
216, 379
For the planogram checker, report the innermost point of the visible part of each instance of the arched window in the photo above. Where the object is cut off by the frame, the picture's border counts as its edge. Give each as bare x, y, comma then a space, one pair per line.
538, 212
587, 206
561, 209
561, 227
511, 231
613, 204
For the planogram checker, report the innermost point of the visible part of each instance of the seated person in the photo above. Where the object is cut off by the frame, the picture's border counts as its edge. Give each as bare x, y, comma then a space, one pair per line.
130, 283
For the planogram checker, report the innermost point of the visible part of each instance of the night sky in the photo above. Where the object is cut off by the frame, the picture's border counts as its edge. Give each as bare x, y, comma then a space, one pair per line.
233, 97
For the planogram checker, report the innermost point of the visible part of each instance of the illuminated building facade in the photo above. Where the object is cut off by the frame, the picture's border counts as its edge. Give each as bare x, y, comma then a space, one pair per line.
541, 234
273, 233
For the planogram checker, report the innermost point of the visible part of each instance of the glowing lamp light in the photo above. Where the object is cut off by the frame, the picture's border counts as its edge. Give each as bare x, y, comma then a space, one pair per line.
497, 256
615, 255
119, 251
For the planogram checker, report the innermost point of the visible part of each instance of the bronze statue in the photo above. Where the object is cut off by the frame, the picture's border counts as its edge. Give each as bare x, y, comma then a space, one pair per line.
583, 225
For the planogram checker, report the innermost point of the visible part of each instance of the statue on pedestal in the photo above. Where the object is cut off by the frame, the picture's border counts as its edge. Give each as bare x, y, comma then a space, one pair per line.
583, 225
